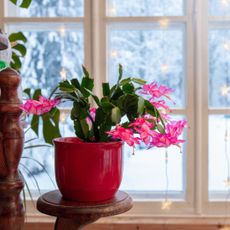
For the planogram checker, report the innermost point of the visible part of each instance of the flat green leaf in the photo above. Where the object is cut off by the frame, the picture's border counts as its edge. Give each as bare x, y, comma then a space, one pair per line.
19, 36
27, 91
76, 83
160, 128
125, 81
25, 3
34, 124
106, 89
120, 72
85, 71
14, 1
78, 129
87, 83
50, 128
21, 49
139, 81
96, 99
141, 105
66, 86
15, 62
85, 127
37, 94
128, 88
116, 115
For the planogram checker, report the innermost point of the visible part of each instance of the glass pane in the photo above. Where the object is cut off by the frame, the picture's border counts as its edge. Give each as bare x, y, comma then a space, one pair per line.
146, 169
152, 53
145, 8
48, 8
219, 7
31, 169
219, 67
219, 147
51, 56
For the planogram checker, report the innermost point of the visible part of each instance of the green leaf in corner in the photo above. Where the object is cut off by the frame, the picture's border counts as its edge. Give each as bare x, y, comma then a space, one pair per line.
160, 128
85, 71
25, 3
19, 36
37, 93
139, 81
15, 62
20, 49
85, 127
35, 124
120, 72
27, 91
106, 89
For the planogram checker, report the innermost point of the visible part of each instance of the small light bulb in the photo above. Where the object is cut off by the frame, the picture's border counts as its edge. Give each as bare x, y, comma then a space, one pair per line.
226, 46
112, 11
224, 2
63, 74
164, 23
114, 54
62, 31
166, 205
225, 90
227, 182
62, 117
164, 68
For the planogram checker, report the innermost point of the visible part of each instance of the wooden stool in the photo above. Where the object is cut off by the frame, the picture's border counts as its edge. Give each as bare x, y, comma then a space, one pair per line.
73, 215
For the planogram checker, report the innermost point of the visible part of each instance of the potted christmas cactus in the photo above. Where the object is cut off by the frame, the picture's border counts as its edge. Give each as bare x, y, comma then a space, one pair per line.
88, 167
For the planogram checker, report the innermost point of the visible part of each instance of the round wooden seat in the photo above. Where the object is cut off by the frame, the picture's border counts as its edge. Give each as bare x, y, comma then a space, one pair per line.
75, 214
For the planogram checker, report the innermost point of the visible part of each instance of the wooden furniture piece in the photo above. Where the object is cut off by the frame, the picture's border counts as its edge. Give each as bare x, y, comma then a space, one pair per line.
72, 215
11, 146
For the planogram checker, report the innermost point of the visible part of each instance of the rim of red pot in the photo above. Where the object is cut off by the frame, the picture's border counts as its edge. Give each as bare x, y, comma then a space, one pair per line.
76, 140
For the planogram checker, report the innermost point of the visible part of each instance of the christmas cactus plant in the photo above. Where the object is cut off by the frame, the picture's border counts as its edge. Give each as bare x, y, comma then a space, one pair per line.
132, 111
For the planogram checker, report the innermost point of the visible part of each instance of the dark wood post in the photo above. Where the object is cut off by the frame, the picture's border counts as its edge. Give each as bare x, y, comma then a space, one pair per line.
11, 146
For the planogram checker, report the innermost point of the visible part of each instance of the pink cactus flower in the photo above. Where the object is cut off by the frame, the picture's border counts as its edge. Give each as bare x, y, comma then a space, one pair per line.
125, 135
43, 105
156, 91
161, 105
143, 127
171, 136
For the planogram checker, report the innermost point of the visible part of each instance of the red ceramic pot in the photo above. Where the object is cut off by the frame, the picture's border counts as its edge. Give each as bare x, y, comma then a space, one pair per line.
87, 172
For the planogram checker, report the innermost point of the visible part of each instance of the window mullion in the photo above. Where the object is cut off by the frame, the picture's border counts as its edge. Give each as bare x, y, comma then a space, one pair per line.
201, 166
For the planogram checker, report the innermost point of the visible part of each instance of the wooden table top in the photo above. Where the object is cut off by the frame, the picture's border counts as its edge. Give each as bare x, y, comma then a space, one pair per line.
51, 203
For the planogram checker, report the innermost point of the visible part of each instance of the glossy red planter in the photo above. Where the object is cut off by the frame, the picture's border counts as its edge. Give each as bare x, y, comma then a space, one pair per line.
87, 172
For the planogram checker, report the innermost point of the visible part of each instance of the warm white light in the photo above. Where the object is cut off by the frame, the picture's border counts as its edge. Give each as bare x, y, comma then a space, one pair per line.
225, 90
226, 46
112, 11
166, 205
164, 68
63, 74
227, 182
62, 31
114, 54
164, 23
62, 117
224, 2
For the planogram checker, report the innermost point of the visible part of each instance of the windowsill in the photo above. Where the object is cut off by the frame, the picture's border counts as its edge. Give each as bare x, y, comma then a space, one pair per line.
132, 217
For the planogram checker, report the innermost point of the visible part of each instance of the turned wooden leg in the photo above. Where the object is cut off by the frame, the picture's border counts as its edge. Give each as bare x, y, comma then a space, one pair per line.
74, 224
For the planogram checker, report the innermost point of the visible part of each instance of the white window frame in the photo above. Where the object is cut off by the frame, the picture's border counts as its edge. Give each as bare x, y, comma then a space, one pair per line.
196, 208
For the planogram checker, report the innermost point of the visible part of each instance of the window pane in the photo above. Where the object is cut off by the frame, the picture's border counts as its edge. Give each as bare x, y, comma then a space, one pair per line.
146, 170
31, 169
152, 53
219, 67
219, 126
145, 7
48, 8
51, 55
219, 7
